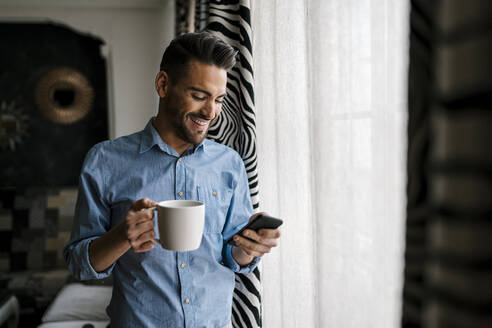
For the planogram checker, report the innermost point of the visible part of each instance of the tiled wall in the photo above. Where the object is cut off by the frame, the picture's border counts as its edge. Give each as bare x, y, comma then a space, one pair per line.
35, 225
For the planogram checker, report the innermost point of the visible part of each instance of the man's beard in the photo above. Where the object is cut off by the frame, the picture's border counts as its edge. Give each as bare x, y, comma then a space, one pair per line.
184, 133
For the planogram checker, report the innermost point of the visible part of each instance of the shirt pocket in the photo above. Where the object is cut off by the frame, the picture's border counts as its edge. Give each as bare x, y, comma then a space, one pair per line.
217, 203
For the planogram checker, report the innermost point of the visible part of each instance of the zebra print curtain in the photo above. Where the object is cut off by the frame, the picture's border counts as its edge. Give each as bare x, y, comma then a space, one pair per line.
448, 271
236, 127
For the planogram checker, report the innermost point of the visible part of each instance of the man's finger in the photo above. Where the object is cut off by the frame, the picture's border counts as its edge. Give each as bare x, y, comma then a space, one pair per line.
262, 238
255, 215
269, 233
140, 217
136, 217
137, 242
251, 246
145, 247
143, 227
146, 236
142, 204
143, 218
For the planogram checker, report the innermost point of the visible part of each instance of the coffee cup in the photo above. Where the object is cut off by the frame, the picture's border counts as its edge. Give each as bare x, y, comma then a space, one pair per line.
180, 224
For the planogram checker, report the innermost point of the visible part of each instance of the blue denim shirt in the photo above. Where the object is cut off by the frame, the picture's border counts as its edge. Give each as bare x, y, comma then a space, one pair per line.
162, 288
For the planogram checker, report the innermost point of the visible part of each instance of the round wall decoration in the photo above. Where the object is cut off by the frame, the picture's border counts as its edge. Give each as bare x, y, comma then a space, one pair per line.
64, 95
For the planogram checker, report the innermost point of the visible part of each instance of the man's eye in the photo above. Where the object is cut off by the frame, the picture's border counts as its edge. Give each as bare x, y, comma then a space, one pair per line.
219, 101
198, 97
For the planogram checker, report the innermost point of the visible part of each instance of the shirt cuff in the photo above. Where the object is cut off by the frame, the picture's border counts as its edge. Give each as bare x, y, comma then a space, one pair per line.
81, 255
234, 266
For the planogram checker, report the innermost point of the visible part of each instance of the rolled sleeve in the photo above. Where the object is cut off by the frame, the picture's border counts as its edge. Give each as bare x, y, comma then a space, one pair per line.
79, 263
91, 219
234, 266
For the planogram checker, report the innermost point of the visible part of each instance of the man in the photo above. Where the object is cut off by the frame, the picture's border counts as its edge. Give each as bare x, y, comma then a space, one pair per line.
170, 159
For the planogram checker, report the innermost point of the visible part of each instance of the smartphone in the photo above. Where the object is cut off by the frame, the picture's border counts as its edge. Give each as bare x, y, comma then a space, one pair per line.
261, 221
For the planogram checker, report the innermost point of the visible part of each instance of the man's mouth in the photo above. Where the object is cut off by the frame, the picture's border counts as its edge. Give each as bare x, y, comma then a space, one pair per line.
198, 121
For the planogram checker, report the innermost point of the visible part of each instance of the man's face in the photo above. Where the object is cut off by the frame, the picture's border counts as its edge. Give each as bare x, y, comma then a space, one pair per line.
194, 102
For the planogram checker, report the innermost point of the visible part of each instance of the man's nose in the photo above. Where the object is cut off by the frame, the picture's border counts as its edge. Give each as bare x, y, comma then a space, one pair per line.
210, 109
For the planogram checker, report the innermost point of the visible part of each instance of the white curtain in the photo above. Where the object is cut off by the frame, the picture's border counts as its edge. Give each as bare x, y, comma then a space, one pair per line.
331, 94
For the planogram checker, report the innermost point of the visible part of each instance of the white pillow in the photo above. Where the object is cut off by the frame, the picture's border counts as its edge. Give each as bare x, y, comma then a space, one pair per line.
74, 324
79, 302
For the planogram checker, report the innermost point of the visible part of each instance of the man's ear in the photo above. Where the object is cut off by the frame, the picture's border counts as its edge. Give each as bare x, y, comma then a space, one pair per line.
161, 83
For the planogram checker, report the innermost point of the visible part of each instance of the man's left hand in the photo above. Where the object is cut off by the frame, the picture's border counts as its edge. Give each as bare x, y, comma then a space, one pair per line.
256, 243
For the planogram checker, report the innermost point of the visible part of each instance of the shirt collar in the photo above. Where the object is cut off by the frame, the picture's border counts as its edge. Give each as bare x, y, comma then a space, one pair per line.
150, 138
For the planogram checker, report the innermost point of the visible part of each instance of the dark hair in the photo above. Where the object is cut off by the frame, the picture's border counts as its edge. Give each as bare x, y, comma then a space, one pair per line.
203, 47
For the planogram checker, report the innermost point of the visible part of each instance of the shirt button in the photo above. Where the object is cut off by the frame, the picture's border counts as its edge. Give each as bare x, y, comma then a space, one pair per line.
187, 301
183, 265
180, 194
214, 193
180, 159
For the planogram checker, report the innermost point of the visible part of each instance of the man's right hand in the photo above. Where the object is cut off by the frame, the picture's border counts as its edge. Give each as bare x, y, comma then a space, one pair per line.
136, 232
139, 225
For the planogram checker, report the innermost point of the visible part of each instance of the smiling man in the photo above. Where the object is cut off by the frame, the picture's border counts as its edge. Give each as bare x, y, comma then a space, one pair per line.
170, 159
190, 103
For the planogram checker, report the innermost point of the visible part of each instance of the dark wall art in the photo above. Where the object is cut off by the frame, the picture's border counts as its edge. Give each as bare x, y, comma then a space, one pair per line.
53, 103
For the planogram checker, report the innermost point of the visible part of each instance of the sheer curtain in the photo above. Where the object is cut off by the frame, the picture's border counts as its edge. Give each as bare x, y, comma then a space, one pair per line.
330, 87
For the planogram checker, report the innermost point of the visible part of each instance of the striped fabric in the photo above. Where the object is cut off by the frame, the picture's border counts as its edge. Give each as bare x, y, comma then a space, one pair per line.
448, 257
236, 127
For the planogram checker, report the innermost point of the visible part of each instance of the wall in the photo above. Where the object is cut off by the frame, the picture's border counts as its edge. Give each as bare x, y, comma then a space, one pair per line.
136, 33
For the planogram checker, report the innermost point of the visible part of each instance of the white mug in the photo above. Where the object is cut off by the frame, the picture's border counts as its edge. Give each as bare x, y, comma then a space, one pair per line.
180, 224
